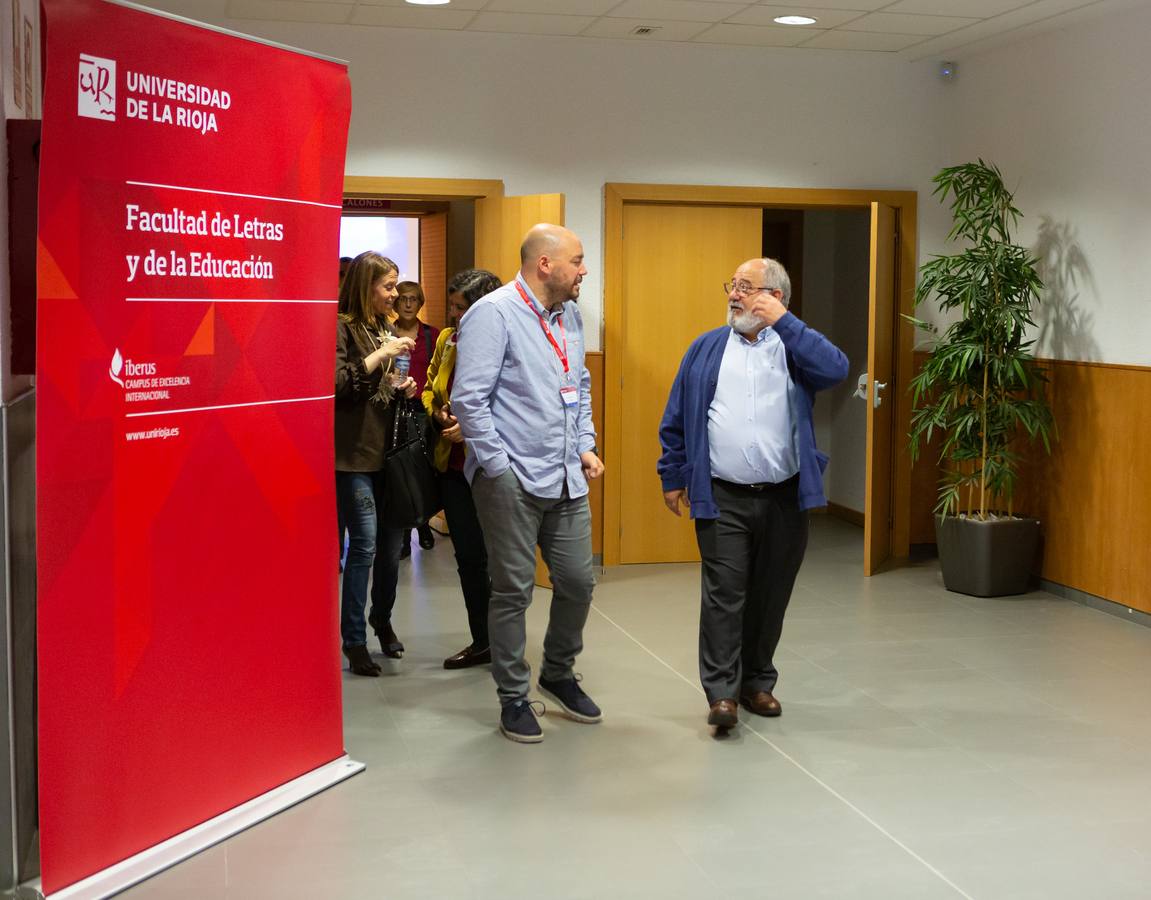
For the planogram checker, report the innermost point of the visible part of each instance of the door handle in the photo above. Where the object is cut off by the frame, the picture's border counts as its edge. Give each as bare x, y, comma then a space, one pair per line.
879, 386
861, 387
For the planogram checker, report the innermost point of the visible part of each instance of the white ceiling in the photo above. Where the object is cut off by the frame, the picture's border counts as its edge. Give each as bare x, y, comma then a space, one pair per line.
913, 29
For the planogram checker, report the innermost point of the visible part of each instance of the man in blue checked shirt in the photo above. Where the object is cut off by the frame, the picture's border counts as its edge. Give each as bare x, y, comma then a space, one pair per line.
522, 396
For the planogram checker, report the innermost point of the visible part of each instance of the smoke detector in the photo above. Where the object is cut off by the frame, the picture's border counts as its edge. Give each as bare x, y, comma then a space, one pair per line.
644, 30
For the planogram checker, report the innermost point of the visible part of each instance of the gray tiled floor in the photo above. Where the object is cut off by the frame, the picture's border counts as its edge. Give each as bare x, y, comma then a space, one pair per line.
932, 745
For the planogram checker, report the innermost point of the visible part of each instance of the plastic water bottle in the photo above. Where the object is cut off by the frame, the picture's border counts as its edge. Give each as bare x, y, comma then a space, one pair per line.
403, 364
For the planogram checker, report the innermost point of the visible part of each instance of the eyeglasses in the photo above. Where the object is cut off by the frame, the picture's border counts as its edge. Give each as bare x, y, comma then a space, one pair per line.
743, 288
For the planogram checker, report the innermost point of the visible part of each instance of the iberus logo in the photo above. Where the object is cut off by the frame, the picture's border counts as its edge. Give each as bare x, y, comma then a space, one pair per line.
116, 368
97, 88
136, 373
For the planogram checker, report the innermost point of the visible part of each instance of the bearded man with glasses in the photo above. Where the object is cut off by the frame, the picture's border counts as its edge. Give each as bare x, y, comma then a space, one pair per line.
739, 449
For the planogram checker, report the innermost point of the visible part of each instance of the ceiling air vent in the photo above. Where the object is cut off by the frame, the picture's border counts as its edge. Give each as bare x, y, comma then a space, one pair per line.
644, 30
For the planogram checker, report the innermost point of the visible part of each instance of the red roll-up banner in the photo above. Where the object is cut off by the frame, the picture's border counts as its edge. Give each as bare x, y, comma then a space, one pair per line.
190, 191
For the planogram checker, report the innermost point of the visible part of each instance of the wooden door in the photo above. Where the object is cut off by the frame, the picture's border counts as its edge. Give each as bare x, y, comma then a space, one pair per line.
433, 268
675, 261
502, 222
881, 395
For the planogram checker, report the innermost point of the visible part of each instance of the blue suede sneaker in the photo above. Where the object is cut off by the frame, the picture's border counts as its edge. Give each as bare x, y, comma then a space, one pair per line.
572, 700
518, 721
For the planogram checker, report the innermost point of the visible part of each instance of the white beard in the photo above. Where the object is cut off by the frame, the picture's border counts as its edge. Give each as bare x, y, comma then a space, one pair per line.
744, 322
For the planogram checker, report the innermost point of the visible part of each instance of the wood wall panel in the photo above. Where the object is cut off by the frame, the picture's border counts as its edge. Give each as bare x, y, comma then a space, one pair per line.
1093, 491
433, 268
595, 368
924, 480
1093, 494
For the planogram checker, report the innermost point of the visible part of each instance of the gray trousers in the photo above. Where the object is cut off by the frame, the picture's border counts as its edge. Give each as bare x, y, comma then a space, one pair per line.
514, 522
751, 556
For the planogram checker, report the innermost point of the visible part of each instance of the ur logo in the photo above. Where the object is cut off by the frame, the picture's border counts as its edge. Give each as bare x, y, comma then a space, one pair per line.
97, 88
116, 368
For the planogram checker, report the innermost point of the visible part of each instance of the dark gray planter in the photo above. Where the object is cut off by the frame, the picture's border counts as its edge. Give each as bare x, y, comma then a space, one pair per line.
991, 558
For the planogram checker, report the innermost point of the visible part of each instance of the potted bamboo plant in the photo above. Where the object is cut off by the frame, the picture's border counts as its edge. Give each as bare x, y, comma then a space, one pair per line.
980, 389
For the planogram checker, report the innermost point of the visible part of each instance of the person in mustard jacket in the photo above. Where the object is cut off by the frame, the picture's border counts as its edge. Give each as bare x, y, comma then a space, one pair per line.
460, 511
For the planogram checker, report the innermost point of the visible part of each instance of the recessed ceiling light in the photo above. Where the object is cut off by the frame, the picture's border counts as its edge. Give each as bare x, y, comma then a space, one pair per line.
783, 20
429, 2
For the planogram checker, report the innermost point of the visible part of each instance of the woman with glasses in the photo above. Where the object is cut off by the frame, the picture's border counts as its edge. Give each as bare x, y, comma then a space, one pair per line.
409, 302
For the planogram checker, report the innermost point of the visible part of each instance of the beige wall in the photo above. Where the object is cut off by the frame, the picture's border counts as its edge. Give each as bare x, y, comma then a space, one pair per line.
1064, 115
552, 114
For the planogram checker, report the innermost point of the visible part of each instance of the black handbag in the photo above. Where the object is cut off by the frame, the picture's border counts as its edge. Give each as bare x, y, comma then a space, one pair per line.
411, 493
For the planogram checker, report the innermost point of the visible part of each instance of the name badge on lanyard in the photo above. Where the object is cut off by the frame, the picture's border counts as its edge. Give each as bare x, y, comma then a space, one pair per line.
570, 396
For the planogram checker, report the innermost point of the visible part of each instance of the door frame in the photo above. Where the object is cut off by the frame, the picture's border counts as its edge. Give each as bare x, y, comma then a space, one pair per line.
617, 194
488, 194
495, 249
425, 194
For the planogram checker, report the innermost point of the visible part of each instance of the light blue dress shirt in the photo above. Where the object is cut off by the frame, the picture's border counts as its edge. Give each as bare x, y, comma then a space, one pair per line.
506, 393
750, 428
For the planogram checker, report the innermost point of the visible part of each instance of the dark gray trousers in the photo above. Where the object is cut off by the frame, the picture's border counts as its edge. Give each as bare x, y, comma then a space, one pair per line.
471, 557
751, 556
514, 522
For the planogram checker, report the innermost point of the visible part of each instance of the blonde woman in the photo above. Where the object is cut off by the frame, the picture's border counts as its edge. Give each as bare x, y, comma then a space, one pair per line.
366, 396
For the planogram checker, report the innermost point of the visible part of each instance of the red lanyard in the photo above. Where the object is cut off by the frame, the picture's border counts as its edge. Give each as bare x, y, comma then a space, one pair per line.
562, 354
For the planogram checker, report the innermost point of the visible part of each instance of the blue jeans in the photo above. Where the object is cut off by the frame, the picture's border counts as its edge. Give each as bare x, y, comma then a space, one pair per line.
373, 551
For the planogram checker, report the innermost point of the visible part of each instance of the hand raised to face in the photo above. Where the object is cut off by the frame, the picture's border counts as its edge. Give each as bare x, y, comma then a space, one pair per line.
765, 305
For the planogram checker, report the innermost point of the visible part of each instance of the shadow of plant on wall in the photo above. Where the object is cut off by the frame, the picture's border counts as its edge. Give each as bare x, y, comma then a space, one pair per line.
1066, 330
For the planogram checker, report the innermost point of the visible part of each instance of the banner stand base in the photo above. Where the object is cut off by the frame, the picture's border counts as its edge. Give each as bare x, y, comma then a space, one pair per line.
188, 843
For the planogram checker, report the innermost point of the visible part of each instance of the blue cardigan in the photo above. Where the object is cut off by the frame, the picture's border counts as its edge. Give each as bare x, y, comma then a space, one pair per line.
814, 364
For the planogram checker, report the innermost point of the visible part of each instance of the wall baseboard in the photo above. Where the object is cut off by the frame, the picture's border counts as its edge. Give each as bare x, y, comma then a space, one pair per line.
1100, 603
854, 516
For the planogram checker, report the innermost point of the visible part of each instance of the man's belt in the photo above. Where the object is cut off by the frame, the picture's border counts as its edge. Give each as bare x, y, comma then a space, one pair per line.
757, 488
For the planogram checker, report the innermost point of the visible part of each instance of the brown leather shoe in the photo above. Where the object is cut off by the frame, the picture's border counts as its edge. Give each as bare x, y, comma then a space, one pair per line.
762, 703
468, 657
724, 714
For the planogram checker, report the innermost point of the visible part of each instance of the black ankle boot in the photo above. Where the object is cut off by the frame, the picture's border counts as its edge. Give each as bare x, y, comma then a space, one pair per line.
389, 643
361, 663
